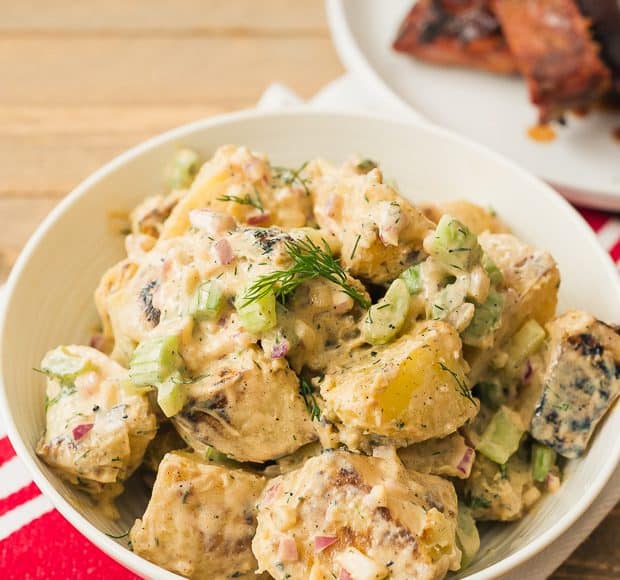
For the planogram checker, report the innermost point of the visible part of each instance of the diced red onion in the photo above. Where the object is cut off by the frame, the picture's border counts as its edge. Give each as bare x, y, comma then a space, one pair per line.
527, 373
344, 575
257, 219
81, 430
552, 481
224, 252
466, 462
97, 341
271, 493
280, 350
287, 550
322, 542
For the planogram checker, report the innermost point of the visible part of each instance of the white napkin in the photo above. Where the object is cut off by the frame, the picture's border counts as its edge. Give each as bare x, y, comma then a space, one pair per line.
349, 94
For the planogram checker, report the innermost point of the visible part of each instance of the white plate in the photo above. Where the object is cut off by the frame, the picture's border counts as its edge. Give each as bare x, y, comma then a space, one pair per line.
49, 296
583, 161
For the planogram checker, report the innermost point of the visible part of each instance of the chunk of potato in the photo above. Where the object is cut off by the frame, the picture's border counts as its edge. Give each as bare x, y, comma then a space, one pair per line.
247, 406
381, 232
410, 390
368, 516
475, 217
96, 433
531, 280
580, 382
200, 520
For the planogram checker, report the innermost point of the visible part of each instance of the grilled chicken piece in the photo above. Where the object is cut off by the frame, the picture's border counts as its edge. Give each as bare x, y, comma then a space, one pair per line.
200, 520
553, 48
581, 382
605, 18
344, 515
455, 32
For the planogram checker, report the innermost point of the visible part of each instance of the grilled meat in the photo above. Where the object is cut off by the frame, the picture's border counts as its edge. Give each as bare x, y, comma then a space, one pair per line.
554, 51
605, 18
455, 32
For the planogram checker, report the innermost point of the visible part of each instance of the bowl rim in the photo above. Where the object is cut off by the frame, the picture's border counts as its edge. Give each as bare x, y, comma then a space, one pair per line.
132, 560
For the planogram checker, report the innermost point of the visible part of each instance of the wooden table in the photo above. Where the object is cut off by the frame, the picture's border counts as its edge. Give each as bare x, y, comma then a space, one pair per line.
82, 81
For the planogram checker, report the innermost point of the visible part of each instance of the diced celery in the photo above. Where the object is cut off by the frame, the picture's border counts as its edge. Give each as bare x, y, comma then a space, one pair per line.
154, 360
259, 315
413, 279
208, 300
502, 436
448, 300
171, 395
387, 317
467, 537
493, 272
543, 459
215, 456
527, 340
131, 389
490, 394
486, 319
182, 169
455, 245
64, 366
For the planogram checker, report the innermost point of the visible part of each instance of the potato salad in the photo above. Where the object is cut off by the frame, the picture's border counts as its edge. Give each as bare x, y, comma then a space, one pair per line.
315, 378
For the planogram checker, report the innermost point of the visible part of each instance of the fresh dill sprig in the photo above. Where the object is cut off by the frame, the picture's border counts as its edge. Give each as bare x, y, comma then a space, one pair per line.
307, 392
366, 165
462, 387
309, 262
290, 176
357, 241
247, 199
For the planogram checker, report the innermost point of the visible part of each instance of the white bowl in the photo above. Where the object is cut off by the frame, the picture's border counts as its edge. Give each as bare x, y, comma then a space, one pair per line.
49, 294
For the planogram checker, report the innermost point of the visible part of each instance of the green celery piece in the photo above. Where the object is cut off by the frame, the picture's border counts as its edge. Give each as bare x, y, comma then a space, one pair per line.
467, 537
486, 319
493, 272
132, 390
154, 360
543, 459
413, 279
64, 366
182, 169
259, 315
208, 300
387, 317
491, 394
455, 245
172, 395
527, 340
502, 436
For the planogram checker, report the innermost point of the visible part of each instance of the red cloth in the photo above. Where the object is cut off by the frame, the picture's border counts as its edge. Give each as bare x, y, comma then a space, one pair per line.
39, 543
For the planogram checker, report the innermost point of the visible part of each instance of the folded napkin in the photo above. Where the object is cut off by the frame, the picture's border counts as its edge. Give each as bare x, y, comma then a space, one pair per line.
37, 542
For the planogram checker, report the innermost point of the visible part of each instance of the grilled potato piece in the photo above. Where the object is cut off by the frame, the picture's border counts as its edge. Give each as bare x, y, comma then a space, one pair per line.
96, 434
410, 390
475, 217
381, 233
493, 494
531, 279
200, 520
581, 381
238, 182
365, 515
247, 406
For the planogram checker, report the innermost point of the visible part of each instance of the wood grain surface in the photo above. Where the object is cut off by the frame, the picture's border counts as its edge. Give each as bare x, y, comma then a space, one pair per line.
82, 81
